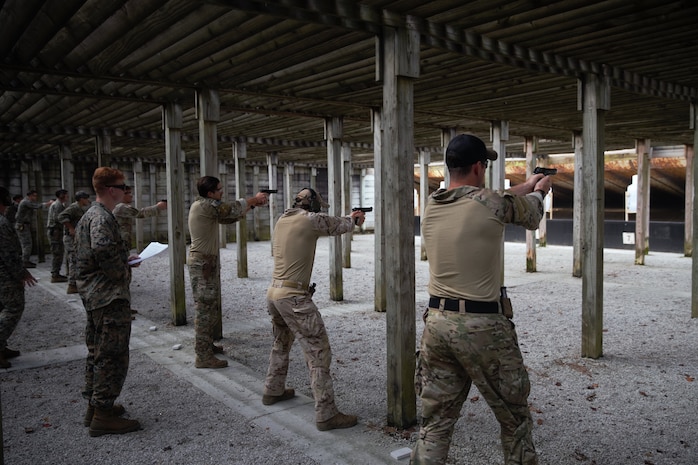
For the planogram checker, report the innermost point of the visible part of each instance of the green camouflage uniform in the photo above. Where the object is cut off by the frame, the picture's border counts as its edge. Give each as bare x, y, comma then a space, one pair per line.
462, 232
290, 304
55, 237
205, 215
12, 272
71, 214
23, 225
103, 278
126, 215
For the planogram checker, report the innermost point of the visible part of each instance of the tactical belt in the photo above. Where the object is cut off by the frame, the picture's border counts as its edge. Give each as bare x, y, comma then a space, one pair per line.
291, 284
463, 305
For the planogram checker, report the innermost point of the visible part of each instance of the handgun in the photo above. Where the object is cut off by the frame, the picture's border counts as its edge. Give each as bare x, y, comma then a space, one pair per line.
361, 209
545, 171
269, 191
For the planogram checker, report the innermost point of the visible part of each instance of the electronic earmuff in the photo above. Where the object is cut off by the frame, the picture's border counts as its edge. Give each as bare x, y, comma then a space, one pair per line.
315, 204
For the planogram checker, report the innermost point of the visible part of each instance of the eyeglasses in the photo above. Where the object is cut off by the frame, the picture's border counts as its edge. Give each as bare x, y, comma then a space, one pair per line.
118, 186
485, 163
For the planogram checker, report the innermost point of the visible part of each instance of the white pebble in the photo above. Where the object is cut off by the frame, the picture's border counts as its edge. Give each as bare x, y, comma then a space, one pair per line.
176, 346
153, 328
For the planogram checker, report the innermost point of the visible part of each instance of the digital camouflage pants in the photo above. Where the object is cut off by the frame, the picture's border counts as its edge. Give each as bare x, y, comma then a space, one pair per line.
205, 285
11, 308
55, 237
71, 257
107, 336
24, 233
298, 317
456, 351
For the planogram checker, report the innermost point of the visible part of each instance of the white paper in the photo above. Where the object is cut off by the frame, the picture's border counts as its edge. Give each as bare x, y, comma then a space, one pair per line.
153, 249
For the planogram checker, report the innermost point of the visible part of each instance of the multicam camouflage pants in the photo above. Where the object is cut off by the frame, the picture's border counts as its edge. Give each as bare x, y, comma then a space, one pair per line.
456, 351
107, 336
205, 284
11, 308
55, 237
298, 317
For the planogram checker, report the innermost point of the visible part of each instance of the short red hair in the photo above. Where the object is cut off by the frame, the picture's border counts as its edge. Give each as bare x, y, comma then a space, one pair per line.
104, 176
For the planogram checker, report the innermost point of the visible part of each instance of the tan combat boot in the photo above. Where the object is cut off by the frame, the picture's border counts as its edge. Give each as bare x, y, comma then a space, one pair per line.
338, 421
105, 422
117, 410
210, 362
72, 289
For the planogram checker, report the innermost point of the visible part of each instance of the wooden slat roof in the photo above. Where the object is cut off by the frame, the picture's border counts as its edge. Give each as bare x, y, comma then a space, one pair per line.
73, 69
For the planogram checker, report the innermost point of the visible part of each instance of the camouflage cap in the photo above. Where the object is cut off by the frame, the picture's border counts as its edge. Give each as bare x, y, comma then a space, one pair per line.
81, 195
307, 197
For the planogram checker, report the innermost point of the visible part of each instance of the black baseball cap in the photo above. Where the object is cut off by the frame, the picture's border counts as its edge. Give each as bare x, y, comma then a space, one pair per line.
465, 150
81, 195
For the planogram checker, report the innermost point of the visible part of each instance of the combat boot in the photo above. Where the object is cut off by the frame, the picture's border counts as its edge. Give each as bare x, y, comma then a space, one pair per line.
117, 410
72, 289
29, 264
104, 422
288, 393
59, 278
210, 362
338, 421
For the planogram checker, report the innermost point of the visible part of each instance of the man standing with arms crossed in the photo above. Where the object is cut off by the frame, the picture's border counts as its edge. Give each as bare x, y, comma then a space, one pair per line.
55, 236
103, 278
467, 338
205, 214
293, 312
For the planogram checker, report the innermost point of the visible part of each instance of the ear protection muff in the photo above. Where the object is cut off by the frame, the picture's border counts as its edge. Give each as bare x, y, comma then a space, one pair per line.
315, 204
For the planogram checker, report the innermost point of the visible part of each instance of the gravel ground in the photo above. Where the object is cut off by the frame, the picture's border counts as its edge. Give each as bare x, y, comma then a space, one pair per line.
635, 405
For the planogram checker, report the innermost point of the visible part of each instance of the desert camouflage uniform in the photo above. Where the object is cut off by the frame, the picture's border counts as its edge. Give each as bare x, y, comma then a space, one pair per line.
55, 237
462, 231
126, 215
103, 278
205, 215
71, 214
290, 304
23, 225
11, 285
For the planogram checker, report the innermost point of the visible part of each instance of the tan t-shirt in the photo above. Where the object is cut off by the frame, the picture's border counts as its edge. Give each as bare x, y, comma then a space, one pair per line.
295, 238
205, 215
462, 233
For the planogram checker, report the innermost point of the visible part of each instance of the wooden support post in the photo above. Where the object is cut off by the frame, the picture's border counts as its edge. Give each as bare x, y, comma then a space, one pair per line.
694, 268
240, 155
223, 228
138, 200
642, 217
424, 160
446, 136
399, 63
346, 204
313, 179
500, 134
594, 100
530, 148
256, 220
272, 162
39, 227
380, 304
577, 207
333, 135
175, 213
103, 150
289, 171
543, 225
67, 170
690, 203
153, 181
208, 106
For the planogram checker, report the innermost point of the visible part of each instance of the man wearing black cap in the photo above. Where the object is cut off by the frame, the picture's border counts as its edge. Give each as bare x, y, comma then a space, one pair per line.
467, 338
69, 219
293, 313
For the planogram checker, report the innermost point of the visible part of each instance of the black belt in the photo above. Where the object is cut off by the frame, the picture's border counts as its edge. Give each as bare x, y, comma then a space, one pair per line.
471, 306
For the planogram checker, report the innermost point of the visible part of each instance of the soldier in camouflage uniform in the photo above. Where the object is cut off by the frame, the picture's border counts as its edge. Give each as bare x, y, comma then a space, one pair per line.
69, 219
103, 279
55, 236
293, 312
26, 213
11, 211
13, 278
126, 215
467, 339
205, 214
